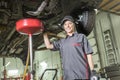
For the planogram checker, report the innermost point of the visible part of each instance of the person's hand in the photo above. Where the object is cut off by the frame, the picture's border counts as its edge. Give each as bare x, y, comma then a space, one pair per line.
94, 75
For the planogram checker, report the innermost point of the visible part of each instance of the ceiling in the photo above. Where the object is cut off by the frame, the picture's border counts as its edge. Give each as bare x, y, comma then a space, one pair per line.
14, 44
112, 6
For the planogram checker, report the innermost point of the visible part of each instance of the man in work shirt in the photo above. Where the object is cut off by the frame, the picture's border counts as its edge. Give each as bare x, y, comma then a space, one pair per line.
76, 53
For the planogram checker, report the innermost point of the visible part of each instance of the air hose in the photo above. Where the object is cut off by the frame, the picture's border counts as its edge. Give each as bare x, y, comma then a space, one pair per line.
26, 67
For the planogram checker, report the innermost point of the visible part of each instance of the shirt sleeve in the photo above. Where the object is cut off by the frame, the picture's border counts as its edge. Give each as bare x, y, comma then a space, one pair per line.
87, 48
56, 45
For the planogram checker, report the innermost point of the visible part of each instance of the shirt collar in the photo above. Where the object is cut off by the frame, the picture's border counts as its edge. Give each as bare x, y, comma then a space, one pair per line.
72, 34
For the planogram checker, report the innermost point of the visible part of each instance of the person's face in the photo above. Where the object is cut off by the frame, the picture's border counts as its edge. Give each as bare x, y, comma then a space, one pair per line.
69, 26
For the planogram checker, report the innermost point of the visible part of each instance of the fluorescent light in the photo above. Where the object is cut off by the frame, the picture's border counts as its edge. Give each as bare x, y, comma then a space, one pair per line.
7, 64
13, 72
43, 64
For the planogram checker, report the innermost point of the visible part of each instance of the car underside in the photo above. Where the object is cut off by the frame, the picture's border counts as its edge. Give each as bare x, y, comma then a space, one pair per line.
13, 44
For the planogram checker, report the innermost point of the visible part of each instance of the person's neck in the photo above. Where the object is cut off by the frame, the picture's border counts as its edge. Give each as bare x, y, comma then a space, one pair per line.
70, 34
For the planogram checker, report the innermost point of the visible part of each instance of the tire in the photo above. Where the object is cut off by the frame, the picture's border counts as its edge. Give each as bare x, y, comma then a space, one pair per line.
85, 22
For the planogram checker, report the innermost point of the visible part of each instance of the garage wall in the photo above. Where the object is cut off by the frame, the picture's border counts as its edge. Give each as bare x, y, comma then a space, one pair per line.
106, 33
12, 64
46, 59
115, 21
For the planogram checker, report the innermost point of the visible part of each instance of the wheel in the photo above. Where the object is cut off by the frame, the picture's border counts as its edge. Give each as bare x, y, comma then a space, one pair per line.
85, 22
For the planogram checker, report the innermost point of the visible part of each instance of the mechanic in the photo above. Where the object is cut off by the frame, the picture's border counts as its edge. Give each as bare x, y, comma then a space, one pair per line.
75, 50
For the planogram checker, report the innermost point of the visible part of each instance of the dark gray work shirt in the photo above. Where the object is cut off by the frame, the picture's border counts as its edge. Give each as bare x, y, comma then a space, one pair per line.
74, 50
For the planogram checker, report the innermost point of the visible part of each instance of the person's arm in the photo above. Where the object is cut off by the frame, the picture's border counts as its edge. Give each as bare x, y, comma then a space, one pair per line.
90, 61
47, 41
94, 74
88, 50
